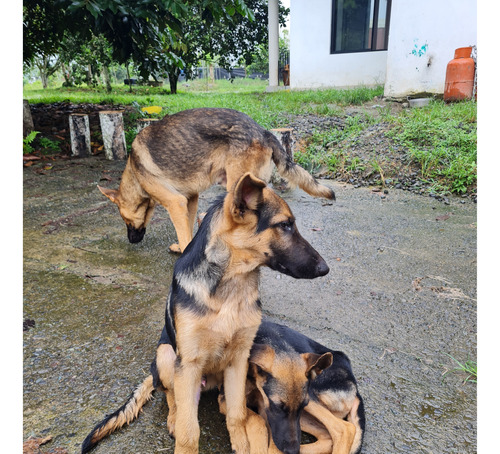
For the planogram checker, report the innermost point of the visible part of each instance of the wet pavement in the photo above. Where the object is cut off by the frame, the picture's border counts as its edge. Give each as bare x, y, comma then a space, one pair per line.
400, 297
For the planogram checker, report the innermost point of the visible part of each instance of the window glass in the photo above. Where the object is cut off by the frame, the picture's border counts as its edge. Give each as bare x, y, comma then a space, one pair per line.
359, 25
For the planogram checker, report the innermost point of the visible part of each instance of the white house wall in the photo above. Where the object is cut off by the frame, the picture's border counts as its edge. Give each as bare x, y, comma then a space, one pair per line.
423, 37
312, 65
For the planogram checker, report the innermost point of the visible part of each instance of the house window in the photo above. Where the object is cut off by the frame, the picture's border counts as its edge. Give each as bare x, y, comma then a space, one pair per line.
360, 25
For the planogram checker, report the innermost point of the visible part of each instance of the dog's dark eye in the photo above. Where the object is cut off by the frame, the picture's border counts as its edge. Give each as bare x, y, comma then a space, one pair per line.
287, 226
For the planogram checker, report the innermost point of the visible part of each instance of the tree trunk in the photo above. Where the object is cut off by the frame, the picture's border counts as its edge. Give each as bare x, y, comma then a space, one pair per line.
42, 67
211, 75
65, 75
45, 79
89, 75
107, 81
173, 77
129, 82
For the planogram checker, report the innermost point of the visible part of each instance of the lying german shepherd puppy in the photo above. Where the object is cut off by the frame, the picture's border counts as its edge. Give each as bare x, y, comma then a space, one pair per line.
213, 310
293, 379
176, 158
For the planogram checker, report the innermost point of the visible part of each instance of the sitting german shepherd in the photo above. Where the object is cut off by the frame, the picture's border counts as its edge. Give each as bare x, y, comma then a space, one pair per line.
295, 384
176, 158
213, 310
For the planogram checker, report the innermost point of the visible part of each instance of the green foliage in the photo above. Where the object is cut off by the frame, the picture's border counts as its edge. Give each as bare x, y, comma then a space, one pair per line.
469, 368
146, 32
442, 140
48, 145
28, 140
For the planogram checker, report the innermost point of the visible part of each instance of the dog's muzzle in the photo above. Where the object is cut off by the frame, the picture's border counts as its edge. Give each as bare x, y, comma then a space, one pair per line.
135, 235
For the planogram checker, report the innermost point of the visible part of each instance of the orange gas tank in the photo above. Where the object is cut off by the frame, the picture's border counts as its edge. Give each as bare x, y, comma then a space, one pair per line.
459, 82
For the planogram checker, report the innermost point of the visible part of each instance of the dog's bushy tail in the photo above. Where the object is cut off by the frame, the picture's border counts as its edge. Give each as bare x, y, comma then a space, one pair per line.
295, 174
124, 415
357, 417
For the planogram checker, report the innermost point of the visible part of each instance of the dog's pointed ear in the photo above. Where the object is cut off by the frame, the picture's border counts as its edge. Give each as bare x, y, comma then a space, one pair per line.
262, 355
316, 363
111, 194
247, 194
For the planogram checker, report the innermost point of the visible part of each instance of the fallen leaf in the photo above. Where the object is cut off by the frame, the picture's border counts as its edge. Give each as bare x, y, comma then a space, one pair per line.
152, 109
416, 284
30, 157
28, 163
316, 229
32, 444
443, 217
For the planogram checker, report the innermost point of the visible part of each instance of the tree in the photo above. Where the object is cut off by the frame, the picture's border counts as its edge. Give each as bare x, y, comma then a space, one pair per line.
227, 38
40, 41
135, 30
83, 62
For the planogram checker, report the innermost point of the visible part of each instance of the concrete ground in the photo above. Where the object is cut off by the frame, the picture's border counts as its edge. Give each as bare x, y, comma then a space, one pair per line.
400, 300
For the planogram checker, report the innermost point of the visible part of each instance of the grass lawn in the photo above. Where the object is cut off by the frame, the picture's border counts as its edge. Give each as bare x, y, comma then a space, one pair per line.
245, 95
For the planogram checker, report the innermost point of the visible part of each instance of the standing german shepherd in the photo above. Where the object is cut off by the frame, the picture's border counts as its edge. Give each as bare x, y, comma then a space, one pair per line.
294, 384
213, 310
176, 158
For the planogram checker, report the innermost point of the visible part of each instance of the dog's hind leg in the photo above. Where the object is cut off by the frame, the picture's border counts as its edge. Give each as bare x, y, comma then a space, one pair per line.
192, 210
342, 432
165, 365
357, 417
323, 443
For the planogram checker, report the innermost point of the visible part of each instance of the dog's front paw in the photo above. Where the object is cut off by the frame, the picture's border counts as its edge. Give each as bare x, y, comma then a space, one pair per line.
240, 445
171, 426
175, 248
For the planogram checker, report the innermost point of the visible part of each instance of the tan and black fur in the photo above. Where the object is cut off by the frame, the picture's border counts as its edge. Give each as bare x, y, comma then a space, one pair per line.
213, 310
175, 159
295, 384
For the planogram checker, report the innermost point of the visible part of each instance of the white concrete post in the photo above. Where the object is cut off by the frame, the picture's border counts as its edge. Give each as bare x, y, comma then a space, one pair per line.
113, 134
143, 123
79, 130
273, 33
285, 137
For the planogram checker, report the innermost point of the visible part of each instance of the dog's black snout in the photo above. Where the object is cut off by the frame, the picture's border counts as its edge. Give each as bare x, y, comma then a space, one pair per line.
291, 448
135, 235
322, 268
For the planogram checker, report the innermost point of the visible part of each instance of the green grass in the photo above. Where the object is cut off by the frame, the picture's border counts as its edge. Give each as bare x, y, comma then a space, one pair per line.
246, 95
469, 368
442, 140
324, 151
